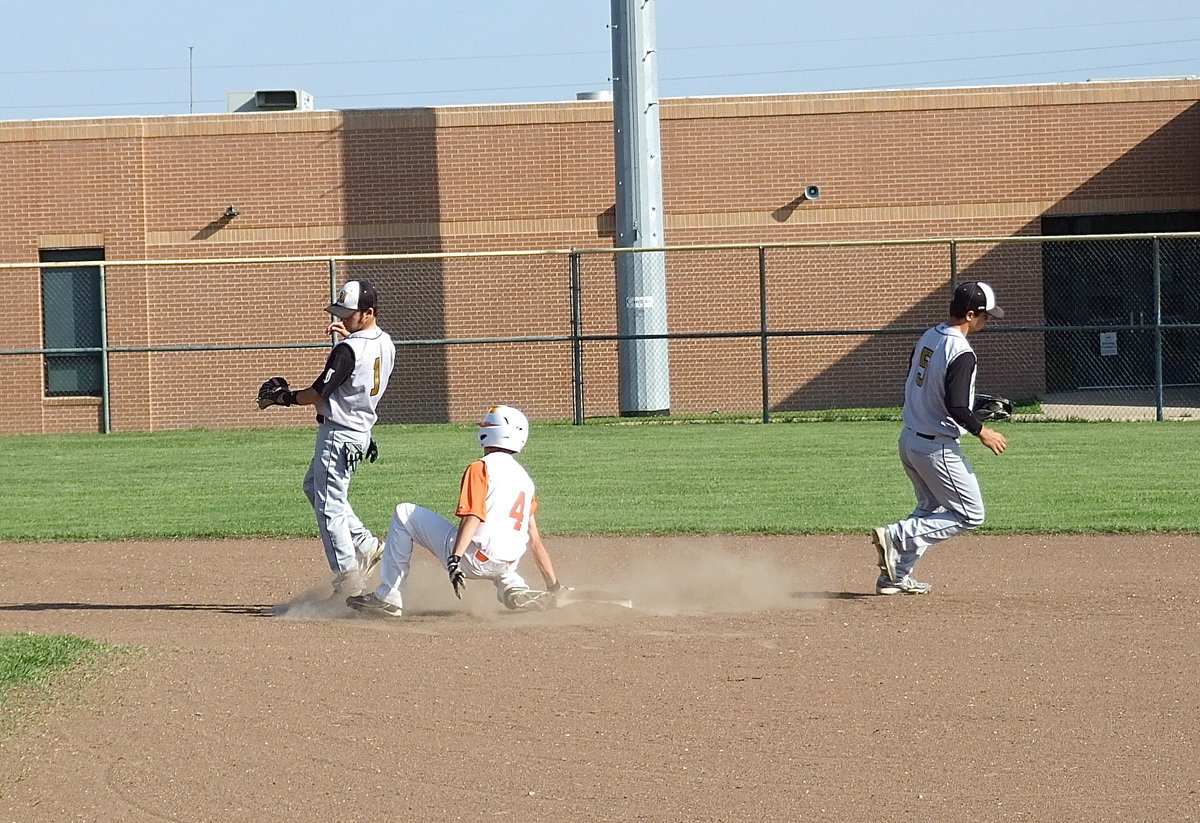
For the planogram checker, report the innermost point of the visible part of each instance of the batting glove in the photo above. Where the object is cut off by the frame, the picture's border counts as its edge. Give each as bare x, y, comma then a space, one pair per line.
457, 579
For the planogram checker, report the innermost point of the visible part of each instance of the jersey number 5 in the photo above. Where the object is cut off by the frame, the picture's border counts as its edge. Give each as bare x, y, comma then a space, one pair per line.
517, 513
922, 363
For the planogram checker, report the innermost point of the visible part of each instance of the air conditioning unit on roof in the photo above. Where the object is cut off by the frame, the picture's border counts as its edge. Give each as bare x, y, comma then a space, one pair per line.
269, 100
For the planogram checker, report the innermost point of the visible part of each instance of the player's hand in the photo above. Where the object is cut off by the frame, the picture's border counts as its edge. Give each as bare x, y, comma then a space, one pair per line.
993, 439
457, 579
558, 594
336, 327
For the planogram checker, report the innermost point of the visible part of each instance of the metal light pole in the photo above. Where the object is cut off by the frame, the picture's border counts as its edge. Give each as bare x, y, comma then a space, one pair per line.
645, 384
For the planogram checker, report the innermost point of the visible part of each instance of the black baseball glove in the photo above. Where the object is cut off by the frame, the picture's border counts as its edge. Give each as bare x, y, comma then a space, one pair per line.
275, 392
988, 408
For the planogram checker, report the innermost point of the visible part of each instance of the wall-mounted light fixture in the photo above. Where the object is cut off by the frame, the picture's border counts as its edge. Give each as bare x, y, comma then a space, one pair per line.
232, 212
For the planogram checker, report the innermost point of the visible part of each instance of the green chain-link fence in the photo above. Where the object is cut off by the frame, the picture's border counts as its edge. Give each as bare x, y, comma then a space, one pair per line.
1097, 327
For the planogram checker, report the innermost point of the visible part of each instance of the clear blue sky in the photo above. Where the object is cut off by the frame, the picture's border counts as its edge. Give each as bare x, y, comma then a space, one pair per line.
70, 58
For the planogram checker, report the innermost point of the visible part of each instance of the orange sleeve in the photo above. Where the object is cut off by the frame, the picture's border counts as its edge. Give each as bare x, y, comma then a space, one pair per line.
472, 495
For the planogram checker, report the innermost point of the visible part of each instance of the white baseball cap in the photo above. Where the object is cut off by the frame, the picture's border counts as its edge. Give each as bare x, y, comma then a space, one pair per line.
356, 295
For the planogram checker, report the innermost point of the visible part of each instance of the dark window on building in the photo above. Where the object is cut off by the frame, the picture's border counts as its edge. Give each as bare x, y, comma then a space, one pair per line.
71, 320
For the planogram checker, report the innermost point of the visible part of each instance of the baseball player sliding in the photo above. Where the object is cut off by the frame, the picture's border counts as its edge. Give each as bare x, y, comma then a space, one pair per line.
938, 399
496, 508
346, 395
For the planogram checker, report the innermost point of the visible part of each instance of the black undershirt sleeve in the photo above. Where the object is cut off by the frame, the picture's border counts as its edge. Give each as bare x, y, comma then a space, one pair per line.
958, 392
338, 366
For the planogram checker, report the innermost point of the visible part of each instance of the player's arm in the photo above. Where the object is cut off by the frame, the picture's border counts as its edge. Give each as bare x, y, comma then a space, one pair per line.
468, 524
958, 402
471, 511
338, 366
541, 557
472, 505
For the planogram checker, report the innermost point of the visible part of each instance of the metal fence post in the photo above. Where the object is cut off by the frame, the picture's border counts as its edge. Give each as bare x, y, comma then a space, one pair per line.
576, 343
1158, 331
105, 394
953, 266
762, 328
333, 290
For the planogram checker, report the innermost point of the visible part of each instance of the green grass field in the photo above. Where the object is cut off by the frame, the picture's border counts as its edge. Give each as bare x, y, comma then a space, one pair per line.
821, 477
29, 660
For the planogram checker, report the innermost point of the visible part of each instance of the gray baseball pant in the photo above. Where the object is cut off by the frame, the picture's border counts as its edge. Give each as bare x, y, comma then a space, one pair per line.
948, 498
327, 486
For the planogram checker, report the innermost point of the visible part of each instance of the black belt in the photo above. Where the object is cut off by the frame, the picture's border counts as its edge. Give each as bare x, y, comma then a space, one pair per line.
926, 436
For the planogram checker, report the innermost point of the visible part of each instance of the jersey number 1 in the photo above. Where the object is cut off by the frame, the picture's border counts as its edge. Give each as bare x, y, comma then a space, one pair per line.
378, 364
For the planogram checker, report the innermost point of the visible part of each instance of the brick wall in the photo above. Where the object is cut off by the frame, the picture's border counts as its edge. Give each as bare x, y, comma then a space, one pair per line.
907, 164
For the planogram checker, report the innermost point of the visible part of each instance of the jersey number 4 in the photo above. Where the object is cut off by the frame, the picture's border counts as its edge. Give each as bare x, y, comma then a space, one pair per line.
922, 364
517, 513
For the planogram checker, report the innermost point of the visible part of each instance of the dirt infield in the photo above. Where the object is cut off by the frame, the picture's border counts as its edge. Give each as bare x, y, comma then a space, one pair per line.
1046, 678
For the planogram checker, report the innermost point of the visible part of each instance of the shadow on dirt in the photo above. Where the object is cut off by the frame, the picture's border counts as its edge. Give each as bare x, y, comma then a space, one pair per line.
831, 595
224, 608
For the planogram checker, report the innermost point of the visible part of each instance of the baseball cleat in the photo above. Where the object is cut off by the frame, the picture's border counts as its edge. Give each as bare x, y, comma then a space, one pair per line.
368, 560
904, 586
529, 600
371, 604
888, 555
348, 583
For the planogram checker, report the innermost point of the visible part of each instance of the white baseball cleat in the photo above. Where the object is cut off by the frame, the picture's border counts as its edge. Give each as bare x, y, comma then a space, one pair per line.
904, 586
369, 559
348, 583
886, 547
529, 600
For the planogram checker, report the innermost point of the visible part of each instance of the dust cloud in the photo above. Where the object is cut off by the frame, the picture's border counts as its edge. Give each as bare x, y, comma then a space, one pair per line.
664, 576
706, 575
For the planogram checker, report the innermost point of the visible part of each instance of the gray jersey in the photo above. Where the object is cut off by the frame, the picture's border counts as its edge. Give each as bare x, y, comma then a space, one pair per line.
925, 409
352, 404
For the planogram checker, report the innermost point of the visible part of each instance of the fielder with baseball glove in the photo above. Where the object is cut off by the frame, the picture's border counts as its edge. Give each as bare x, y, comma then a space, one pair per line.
346, 394
938, 410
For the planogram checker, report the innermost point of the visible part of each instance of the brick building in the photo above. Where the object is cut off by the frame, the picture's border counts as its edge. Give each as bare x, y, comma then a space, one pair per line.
979, 162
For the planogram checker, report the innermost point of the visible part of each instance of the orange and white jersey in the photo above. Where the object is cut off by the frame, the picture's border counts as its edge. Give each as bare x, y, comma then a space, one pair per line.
498, 490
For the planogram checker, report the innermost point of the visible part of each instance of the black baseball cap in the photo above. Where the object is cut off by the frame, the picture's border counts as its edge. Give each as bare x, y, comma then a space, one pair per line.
975, 296
356, 295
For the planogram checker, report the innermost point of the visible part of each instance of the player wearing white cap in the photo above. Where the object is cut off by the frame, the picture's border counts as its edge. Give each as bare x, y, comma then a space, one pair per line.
346, 395
497, 523
939, 394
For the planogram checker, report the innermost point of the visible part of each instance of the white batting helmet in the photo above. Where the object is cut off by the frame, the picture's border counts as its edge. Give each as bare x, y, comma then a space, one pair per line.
505, 428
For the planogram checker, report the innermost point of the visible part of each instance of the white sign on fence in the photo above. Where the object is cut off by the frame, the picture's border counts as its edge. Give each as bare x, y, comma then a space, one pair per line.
1108, 344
